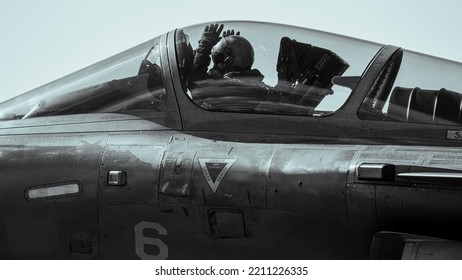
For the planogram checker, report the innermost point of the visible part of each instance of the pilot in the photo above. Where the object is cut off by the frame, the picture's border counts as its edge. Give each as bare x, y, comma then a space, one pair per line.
232, 57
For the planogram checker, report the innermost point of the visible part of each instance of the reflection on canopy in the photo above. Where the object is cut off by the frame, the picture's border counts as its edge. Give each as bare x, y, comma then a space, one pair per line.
129, 83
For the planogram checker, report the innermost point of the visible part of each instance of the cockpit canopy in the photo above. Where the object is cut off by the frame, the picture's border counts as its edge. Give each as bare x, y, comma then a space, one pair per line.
291, 74
416, 88
128, 83
285, 70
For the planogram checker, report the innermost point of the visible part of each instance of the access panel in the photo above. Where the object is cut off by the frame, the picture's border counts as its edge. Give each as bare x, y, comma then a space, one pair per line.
306, 201
128, 182
49, 186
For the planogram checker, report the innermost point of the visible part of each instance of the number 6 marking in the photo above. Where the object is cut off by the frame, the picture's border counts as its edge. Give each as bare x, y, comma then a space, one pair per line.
141, 240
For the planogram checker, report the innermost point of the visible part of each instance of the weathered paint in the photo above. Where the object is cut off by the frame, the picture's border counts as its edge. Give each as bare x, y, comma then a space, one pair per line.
217, 185
47, 228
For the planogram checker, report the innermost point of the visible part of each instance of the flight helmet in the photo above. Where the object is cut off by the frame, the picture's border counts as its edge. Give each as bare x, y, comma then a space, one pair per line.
233, 53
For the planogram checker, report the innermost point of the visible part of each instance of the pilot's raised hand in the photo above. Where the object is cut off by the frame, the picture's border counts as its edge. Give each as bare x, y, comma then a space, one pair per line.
211, 35
230, 32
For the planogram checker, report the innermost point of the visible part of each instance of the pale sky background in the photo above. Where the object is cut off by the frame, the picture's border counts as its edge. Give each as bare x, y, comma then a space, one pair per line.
42, 40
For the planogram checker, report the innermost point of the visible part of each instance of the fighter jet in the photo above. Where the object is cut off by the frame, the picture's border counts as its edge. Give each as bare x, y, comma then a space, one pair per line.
238, 140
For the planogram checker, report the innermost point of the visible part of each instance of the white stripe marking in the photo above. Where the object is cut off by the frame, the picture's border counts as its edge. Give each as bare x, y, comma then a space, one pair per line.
53, 191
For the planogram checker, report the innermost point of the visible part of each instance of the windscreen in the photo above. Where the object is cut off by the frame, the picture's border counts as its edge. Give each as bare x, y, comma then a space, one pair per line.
128, 83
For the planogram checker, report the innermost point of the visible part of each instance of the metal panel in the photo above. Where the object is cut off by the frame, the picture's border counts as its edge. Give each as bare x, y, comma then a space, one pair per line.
362, 216
432, 210
49, 227
231, 176
226, 223
176, 172
141, 165
309, 179
307, 188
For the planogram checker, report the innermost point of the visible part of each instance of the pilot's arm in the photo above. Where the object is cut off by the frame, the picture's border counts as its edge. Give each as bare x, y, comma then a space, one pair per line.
201, 62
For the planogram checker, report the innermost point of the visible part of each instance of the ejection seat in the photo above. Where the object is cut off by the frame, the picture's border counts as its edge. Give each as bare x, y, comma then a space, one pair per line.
305, 72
